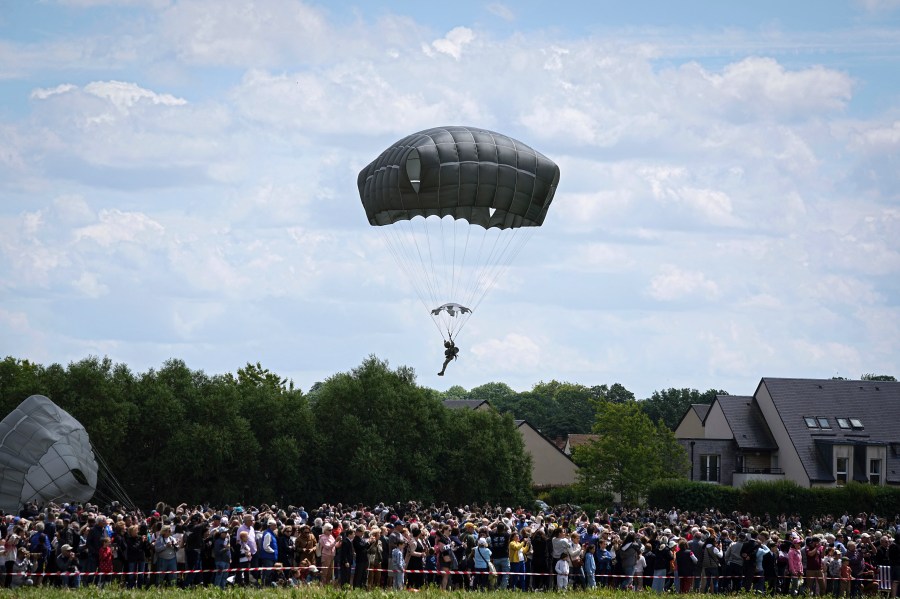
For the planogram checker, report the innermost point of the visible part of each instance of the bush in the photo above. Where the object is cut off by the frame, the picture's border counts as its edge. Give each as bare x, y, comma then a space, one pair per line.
774, 498
577, 495
692, 496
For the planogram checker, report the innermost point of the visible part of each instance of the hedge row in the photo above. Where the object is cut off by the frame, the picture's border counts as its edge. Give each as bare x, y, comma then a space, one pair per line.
576, 495
776, 498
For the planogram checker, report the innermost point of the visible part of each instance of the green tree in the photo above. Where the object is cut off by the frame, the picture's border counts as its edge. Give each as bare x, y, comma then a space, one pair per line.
878, 377
670, 405
631, 453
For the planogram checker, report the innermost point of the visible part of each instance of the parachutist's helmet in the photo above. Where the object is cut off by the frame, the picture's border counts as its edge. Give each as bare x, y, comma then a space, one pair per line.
447, 344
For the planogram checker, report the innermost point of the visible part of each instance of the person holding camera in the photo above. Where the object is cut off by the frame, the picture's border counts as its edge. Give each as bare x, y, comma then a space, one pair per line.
67, 562
166, 563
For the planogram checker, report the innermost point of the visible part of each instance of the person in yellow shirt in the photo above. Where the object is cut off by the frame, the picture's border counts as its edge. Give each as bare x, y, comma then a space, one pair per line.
517, 560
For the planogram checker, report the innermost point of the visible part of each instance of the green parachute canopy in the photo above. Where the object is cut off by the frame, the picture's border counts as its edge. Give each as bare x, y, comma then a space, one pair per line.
456, 204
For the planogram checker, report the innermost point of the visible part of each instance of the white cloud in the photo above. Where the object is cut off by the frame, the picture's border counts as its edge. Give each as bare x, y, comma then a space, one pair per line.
90, 286
494, 354
673, 283
124, 95
502, 11
453, 43
205, 32
879, 6
154, 4
116, 226
44, 93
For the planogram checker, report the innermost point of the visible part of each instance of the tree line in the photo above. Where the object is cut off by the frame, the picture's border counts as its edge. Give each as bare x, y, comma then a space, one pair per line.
559, 409
369, 435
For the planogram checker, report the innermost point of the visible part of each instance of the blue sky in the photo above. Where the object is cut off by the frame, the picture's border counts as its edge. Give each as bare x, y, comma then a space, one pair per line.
178, 179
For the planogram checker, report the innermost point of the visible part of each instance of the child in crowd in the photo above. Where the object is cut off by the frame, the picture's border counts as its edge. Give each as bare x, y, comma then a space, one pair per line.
563, 566
846, 576
398, 564
105, 563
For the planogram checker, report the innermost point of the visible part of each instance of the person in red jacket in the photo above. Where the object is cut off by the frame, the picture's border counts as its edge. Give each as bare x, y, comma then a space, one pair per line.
105, 561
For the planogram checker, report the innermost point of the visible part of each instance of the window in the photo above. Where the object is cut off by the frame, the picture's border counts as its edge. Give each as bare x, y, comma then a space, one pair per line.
843, 422
810, 422
840, 473
856, 423
875, 472
823, 422
709, 468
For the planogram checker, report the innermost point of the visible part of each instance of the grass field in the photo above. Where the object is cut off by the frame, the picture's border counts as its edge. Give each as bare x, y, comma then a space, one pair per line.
314, 592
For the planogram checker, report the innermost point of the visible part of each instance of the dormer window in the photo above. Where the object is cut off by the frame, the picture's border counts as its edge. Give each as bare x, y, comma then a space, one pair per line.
856, 423
823, 422
810, 422
843, 422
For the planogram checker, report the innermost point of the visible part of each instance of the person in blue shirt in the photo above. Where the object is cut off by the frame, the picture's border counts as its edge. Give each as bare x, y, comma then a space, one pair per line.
590, 566
603, 558
268, 552
398, 563
482, 557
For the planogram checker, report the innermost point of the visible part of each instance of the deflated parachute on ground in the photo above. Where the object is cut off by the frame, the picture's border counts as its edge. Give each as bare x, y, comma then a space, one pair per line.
478, 194
45, 455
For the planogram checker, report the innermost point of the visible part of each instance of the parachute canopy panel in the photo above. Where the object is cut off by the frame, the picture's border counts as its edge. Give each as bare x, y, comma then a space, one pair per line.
479, 176
45, 455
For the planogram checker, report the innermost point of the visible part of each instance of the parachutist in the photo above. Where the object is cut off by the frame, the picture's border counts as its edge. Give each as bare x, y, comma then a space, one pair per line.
450, 353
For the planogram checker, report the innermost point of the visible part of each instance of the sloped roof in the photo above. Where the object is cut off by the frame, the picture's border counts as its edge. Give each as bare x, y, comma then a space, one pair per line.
578, 439
521, 423
875, 403
702, 409
746, 422
463, 404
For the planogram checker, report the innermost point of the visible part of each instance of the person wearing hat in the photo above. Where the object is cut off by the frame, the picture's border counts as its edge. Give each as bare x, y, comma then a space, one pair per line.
67, 563
480, 560
165, 551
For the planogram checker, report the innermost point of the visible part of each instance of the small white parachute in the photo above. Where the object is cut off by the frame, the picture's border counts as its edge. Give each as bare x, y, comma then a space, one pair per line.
45, 455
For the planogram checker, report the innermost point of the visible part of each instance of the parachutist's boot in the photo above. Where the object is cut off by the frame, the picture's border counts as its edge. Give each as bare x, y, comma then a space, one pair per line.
441, 373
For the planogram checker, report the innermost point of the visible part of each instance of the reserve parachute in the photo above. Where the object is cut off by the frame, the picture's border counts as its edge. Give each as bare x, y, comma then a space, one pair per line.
456, 205
45, 455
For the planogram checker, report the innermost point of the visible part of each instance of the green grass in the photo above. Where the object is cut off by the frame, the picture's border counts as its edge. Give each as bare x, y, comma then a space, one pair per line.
114, 592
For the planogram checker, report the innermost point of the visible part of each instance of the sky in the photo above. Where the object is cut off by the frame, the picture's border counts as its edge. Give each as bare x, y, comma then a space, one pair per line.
178, 180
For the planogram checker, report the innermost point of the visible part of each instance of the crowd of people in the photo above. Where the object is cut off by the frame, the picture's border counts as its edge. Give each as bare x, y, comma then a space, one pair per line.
397, 546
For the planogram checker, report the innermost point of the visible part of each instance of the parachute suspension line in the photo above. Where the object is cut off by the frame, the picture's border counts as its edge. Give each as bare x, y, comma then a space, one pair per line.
501, 268
115, 486
407, 224
521, 239
400, 253
443, 251
410, 266
403, 260
486, 263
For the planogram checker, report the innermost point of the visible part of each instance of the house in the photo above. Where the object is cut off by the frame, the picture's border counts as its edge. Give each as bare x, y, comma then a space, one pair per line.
691, 424
550, 466
574, 440
813, 432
